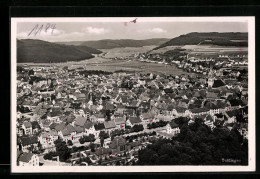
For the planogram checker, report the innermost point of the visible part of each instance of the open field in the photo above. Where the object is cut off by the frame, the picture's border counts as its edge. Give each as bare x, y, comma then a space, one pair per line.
202, 49
134, 65
125, 52
115, 65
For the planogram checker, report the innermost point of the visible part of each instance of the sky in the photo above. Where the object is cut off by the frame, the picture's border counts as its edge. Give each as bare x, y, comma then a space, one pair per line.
91, 31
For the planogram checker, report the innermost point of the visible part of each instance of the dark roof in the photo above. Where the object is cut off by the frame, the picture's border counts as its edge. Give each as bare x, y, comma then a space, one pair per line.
119, 120
27, 124
55, 113
80, 121
79, 129
68, 130
60, 127
173, 124
102, 151
236, 102
29, 140
134, 120
209, 118
99, 126
232, 113
35, 125
117, 141
88, 124
109, 124
53, 125
212, 95
25, 157
218, 83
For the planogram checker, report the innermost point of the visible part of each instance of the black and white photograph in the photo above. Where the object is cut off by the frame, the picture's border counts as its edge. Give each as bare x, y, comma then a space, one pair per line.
133, 94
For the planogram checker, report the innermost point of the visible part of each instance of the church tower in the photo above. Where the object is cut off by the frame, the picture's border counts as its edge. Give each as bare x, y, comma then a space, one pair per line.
210, 76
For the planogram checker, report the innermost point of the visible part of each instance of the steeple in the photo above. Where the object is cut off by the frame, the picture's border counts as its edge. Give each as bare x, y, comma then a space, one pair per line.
210, 76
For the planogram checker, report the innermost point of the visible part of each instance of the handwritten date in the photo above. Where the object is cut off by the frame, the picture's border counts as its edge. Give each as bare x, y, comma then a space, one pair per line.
42, 27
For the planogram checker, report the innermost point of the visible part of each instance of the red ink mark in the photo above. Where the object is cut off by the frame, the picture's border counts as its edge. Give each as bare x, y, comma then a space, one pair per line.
191, 115
46, 138
229, 107
72, 137
152, 120
122, 126
134, 21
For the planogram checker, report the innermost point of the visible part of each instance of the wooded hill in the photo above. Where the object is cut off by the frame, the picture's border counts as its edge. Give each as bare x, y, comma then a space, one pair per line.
110, 44
213, 38
39, 51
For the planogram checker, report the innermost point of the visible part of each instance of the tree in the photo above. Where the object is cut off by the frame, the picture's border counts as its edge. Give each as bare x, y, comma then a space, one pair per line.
53, 97
92, 146
101, 141
196, 144
81, 140
69, 143
62, 150
103, 134
31, 72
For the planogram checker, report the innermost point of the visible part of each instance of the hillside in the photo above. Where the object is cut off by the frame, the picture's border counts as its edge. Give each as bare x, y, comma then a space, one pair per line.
213, 38
39, 51
110, 44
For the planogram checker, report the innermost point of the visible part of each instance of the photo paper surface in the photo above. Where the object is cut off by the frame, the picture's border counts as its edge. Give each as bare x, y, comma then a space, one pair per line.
133, 94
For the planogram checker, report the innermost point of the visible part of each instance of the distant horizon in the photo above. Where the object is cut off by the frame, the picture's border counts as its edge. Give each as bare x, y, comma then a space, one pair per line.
120, 39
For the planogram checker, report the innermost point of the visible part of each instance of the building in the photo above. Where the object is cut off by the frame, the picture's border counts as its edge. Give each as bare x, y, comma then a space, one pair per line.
27, 159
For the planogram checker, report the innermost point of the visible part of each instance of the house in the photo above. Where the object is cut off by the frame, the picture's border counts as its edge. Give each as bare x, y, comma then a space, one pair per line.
118, 145
89, 128
199, 111
35, 127
120, 122
102, 153
98, 127
54, 115
133, 121
27, 128
47, 139
230, 116
80, 131
209, 121
99, 117
28, 142
172, 128
68, 133
27, 159
218, 83
80, 121
212, 95
109, 126
148, 117
163, 118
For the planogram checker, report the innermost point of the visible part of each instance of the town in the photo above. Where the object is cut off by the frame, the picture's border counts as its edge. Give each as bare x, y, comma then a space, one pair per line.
70, 116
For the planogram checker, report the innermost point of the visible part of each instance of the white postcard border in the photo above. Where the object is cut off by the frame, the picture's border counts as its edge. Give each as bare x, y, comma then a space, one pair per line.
70, 169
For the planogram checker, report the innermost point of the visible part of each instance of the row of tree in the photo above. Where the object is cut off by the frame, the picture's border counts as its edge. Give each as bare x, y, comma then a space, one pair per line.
89, 138
156, 124
197, 144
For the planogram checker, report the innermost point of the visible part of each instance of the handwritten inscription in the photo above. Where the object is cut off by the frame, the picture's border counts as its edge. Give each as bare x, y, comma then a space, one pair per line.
42, 27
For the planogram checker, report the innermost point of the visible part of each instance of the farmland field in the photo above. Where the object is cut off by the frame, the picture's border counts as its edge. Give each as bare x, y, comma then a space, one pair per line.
208, 49
126, 51
107, 64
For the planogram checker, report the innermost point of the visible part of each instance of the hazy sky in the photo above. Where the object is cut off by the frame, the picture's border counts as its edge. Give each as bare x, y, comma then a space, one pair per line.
85, 31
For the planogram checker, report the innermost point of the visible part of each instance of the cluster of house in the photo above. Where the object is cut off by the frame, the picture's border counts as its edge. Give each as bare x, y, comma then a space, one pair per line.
193, 63
64, 104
